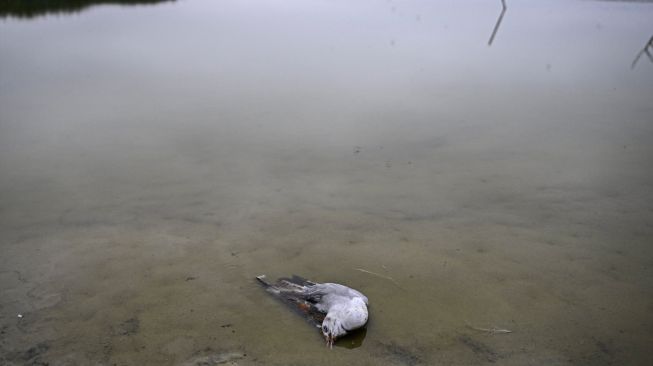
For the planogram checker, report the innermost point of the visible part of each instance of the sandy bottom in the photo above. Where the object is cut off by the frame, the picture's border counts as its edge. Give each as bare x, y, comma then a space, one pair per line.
168, 278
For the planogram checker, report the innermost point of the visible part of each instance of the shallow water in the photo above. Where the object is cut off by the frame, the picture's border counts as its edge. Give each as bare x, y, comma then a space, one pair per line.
155, 158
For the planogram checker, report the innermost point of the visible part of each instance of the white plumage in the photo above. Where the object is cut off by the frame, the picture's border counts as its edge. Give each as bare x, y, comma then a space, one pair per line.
335, 308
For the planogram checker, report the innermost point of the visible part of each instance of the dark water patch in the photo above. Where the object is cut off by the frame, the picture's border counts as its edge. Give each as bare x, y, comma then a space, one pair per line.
210, 357
129, 327
400, 354
36, 350
599, 352
604, 348
479, 348
31, 356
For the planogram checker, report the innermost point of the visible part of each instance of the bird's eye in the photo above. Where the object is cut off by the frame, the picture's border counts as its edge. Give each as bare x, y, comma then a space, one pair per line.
325, 328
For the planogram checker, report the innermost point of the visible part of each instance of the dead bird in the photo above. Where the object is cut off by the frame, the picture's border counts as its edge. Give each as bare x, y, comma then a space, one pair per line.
336, 309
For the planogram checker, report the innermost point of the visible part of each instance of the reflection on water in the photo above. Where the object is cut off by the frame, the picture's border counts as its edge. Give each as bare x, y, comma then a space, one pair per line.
33, 8
154, 159
499, 20
352, 340
644, 51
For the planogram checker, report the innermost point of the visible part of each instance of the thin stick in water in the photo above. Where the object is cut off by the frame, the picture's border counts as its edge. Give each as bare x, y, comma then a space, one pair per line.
379, 275
493, 330
644, 50
498, 24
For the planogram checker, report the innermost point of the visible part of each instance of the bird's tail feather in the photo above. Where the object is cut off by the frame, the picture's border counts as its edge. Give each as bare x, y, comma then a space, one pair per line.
291, 291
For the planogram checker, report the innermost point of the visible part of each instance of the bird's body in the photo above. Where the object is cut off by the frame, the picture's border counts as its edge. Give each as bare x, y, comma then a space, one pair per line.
335, 308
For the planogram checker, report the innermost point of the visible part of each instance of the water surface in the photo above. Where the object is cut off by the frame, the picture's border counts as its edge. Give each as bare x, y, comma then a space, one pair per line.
154, 158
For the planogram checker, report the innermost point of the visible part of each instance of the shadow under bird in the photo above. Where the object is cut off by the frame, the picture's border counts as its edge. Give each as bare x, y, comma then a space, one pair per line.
336, 309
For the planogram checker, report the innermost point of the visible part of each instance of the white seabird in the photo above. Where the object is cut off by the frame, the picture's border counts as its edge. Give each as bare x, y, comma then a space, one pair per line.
345, 308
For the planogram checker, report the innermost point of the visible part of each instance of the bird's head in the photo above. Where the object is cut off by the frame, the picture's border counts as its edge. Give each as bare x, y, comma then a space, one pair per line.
332, 329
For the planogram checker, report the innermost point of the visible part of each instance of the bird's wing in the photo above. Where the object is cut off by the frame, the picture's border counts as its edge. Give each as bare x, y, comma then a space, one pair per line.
294, 286
291, 291
318, 291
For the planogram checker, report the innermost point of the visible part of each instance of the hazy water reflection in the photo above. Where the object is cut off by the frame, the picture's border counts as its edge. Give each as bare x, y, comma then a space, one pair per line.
30, 9
153, 159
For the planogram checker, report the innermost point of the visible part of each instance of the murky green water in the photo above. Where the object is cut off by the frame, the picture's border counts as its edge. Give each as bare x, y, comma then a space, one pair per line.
154, 158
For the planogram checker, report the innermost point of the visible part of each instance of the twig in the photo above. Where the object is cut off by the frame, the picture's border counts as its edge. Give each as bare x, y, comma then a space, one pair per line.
498, 24
379, 275
644, 50
493, 330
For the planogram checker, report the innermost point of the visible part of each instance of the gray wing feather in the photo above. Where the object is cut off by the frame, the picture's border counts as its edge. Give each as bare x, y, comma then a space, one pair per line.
321, 290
